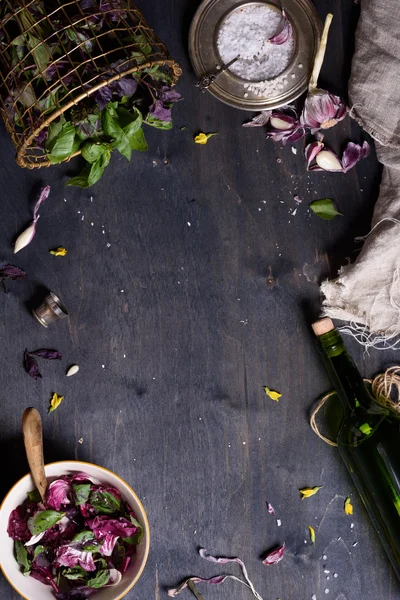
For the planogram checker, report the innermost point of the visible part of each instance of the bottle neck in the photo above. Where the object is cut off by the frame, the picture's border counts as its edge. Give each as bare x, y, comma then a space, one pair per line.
343, 372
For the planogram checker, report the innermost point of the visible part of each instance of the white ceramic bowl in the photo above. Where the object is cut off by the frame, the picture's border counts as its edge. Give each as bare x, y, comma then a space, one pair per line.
30, 588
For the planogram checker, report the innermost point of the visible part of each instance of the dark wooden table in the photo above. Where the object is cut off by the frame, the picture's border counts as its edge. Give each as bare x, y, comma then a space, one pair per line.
191, 284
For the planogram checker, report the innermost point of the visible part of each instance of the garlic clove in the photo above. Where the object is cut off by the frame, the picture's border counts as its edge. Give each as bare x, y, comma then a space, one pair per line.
72, 370
328, 161
279, 123
25, 237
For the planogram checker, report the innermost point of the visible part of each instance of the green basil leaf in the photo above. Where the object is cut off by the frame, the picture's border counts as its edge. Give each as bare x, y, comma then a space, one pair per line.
34, 496
39, 550
134, 539
66, 144
43, 520
154, 122
104, 502
81, 180
21, 556
138, 141
97, 168
75, 573
40, 51
54, 131
101, 563
83, 536
99, 580
92, 151
81, 492
109, 118
129, 120
325, 209
122, 144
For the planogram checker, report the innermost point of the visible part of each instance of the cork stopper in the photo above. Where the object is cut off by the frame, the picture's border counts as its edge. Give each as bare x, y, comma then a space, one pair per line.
322, 326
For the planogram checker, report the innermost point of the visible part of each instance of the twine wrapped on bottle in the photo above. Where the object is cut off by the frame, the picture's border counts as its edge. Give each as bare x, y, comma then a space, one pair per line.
55, 54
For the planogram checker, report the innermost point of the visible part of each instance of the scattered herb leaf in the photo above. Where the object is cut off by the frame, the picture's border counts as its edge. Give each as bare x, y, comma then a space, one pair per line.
348, 507
47, 354
202, 138
325, 209
60, 251
312, 534
43, 520
273, 395
307, 492
12, 272
55, 402
21, 556
366, 428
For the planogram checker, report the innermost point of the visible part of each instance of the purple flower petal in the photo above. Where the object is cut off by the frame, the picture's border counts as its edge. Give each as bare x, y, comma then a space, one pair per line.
274, 556
31, 366
352, 154
48, 354
259, 120
12, 272
285, 32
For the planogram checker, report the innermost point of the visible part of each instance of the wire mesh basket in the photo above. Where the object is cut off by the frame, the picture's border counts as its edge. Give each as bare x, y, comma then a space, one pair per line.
58, 55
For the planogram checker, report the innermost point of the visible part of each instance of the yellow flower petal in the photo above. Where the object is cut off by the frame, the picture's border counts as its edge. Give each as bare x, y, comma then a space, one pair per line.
202, 138
59, 251
312, 534
55, 402
307, 492
273, 395
348, 507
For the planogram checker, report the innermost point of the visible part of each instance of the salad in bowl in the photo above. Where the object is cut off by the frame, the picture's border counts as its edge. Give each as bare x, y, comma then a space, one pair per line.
90, 538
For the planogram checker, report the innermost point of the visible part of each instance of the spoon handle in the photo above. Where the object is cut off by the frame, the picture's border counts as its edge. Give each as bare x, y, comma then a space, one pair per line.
33, 439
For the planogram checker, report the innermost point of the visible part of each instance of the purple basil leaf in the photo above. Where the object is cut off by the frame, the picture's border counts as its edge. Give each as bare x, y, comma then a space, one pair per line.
103, 96
31, 366
12, 272
167, 94
48, 354
158, 111
126, 86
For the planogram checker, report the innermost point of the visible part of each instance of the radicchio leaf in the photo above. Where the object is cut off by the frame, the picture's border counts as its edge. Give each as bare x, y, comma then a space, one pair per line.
58, 494
31, 366
274, 556
71, 555
43, 575
48, 354
119, 527
17, 524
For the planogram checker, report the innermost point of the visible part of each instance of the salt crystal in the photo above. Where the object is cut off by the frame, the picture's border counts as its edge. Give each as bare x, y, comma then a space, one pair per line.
80, 441
351, 526
326, 591
189, 224
278, 522
335, 574
313, 597
108, 245
324, 557
355, 544
326, 571
245, 33
300, 66
294, 150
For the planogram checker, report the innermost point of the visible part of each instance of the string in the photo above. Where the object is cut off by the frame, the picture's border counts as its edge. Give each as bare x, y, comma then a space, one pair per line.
385, 388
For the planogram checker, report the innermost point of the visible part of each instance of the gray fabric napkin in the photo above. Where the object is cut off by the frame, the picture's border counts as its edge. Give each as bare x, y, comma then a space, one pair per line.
367, 292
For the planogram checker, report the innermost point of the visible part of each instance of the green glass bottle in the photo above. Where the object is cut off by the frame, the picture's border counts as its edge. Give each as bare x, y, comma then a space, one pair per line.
368, 441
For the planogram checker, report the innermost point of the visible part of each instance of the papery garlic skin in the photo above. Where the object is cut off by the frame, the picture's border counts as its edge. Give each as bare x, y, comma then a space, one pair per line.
25, 237
322, 110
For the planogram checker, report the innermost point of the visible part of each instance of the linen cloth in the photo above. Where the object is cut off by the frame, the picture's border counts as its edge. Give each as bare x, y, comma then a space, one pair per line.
367, 292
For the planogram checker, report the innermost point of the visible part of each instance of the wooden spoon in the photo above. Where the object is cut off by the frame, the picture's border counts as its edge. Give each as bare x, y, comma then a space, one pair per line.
33, 439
